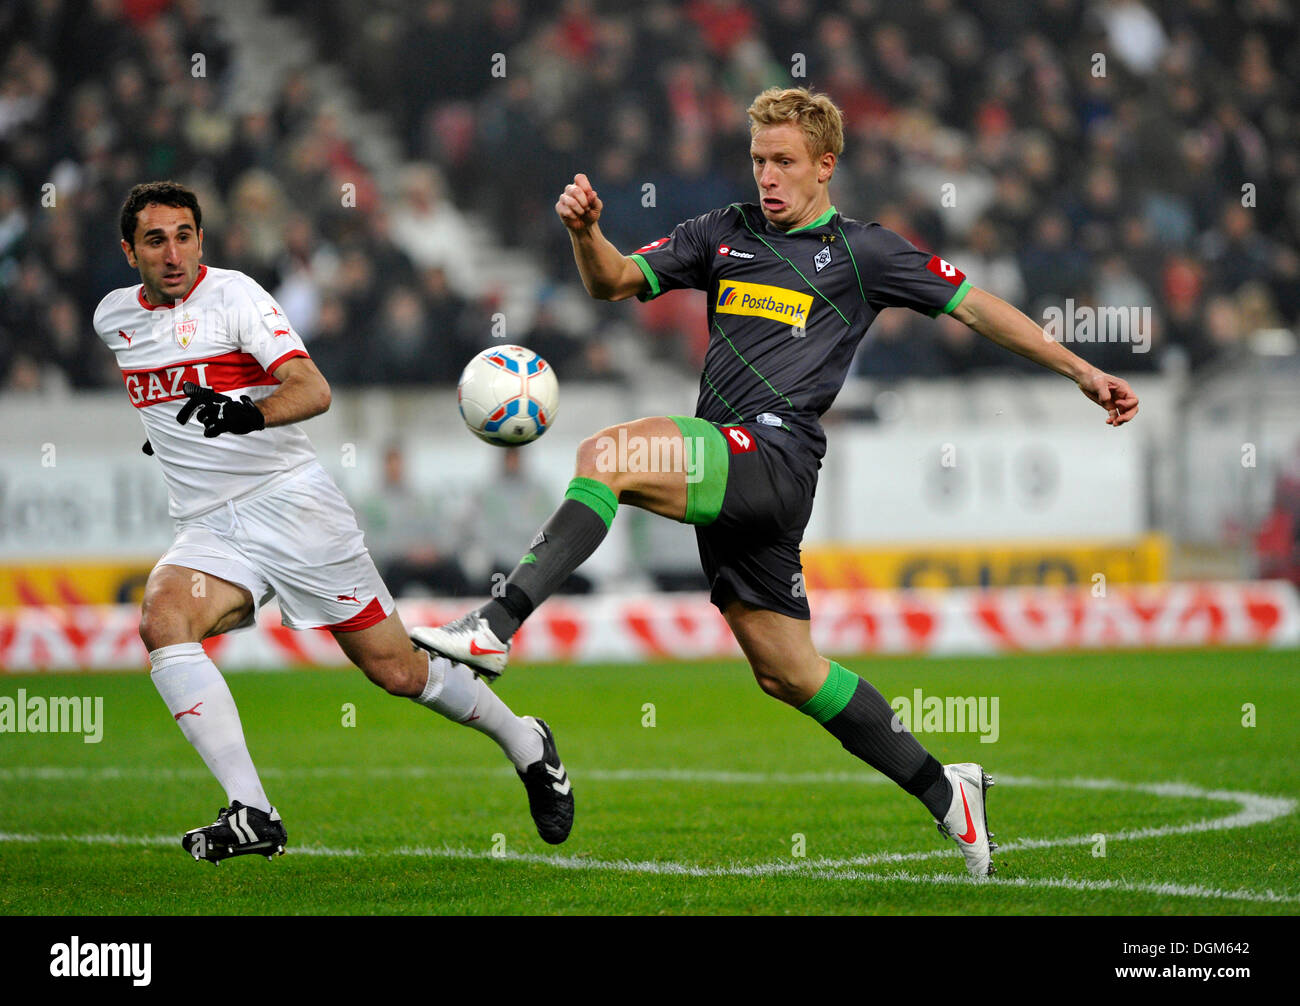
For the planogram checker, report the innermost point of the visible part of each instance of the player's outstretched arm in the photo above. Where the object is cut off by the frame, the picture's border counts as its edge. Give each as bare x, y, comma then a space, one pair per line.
995, 319
606, 272
303, 393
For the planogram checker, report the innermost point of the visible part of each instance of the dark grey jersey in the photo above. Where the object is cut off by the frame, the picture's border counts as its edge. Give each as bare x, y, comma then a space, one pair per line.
787, 309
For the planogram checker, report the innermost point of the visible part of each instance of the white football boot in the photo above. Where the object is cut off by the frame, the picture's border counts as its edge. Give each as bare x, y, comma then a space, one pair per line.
469, 640
966, 822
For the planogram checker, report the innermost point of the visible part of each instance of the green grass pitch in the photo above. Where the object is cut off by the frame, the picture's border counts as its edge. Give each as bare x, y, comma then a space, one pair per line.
703, 812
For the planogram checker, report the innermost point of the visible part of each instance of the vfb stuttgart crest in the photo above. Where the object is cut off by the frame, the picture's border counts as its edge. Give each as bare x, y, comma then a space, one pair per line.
185, 330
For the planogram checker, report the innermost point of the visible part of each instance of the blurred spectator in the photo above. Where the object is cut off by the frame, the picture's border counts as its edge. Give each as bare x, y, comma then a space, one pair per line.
548, 339
333, 345
430, 230
988, 265
13, 224
1278, 540
73, 347
258, 205
596, 363
499, 517
453, 343
26, 377
412, 542
1052, 265
902, 344
306, 267
693, 186
1223, 330
1135, 34
407, 352
255, 145
1183, 281
357, 284
1237, 253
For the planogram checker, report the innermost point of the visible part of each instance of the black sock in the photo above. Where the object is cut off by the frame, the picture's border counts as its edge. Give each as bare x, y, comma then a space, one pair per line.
860, 719
563, 544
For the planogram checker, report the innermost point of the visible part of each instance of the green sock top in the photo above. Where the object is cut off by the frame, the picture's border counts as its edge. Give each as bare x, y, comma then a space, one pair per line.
596, 495
833, 695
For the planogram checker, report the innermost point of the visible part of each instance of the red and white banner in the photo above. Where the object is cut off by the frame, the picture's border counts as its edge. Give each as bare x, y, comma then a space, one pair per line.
624, 628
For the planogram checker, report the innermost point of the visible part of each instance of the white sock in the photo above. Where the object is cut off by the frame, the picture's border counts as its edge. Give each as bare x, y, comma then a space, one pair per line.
453, 691
201, 703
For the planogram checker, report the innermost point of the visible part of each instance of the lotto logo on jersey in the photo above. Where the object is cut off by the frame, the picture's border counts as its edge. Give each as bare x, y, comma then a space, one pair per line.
730, 252
946, 269
764, 301
738, 439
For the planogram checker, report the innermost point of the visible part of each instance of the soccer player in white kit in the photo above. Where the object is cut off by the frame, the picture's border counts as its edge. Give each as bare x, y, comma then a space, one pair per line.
258, 517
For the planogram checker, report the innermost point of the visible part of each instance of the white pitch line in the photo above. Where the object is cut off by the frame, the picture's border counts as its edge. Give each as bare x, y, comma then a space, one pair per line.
823, 869
1071, 884
57, 773
1252, 809
101, 839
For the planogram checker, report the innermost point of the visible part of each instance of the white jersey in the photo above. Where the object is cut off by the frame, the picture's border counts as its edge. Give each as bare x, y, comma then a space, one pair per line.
226, 334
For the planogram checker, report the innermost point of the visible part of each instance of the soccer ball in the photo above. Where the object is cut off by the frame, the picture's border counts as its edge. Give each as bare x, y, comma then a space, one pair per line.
508, 396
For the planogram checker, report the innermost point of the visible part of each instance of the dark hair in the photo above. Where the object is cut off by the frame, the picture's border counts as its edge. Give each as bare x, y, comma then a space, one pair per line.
163, 193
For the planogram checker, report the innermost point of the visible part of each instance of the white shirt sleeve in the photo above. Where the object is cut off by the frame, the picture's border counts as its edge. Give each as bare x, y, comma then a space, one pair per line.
260, 326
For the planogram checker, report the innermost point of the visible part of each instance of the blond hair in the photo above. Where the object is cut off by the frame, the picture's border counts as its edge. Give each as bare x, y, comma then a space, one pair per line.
819, 118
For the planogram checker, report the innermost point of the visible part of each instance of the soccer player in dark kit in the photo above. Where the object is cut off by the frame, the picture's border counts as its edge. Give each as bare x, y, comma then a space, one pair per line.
793, 286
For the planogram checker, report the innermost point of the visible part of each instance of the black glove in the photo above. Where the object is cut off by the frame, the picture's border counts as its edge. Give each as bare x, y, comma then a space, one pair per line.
220, 413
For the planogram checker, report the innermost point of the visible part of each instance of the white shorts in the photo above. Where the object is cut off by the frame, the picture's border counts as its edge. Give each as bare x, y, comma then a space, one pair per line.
300, 542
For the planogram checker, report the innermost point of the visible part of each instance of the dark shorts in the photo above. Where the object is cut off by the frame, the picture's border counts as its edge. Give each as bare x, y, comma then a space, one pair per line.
750, 499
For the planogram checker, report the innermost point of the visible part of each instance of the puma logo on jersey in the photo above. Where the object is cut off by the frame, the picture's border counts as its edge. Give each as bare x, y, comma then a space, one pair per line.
125, 336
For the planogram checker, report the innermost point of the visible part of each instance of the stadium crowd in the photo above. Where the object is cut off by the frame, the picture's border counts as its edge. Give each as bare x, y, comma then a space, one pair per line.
1113, 152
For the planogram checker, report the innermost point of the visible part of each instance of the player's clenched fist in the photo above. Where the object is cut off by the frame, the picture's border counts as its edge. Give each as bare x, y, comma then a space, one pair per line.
579, 206
1113, 394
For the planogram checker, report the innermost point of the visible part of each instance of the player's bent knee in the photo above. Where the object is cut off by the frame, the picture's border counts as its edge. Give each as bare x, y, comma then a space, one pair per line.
398, 675
779, 686
161, 626
590, 452
771, 686
791, 683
